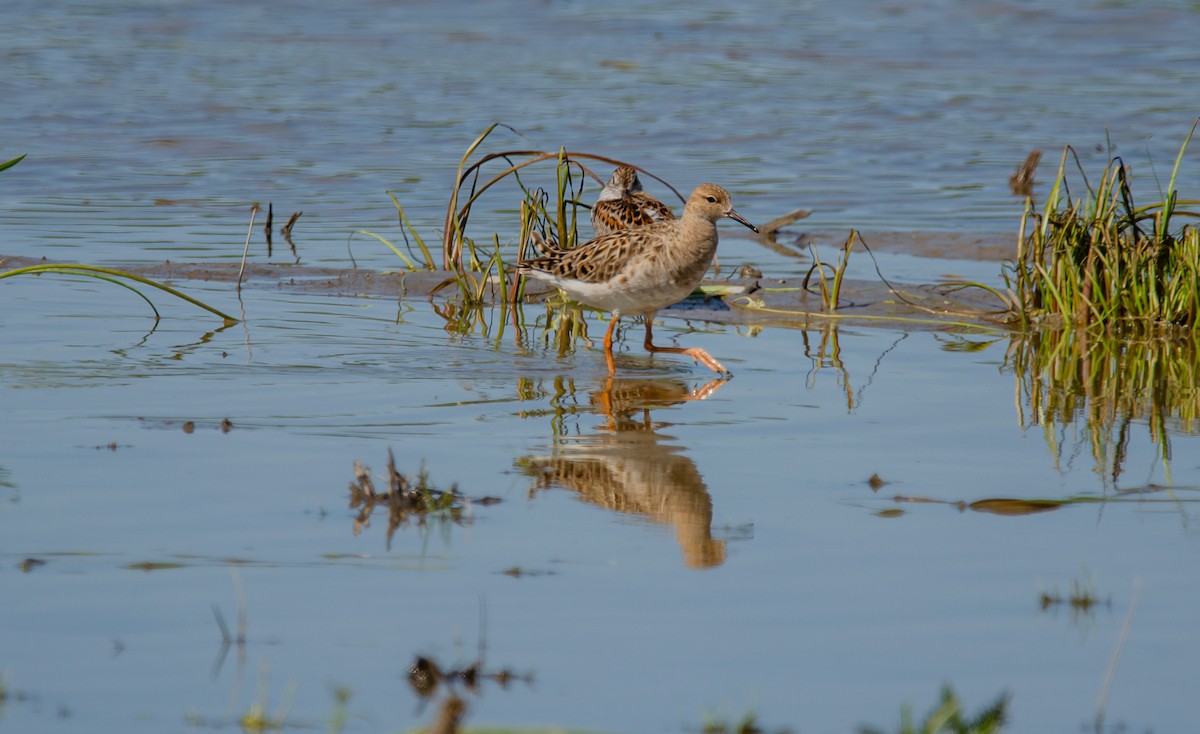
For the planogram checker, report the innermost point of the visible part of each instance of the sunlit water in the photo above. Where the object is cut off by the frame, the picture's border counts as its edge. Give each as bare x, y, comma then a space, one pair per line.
734, 557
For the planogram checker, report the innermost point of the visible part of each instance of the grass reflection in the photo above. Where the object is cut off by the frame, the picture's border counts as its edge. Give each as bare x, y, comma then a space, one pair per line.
1109, 385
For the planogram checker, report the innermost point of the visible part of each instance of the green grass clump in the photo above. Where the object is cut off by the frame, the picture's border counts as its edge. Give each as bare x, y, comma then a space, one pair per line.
551, 209
1100, 259
555, 216
481, 266
948, 718
257, 719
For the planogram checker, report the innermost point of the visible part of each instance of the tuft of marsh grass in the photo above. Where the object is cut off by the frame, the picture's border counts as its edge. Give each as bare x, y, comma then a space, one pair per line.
831, 286
258, 719
1109, 385
1098, 258
552, 210
948, 717
558, 216
748, 724
341, 708
481, 267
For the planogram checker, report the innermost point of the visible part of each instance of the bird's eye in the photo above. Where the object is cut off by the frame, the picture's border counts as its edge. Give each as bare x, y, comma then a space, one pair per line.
711, 199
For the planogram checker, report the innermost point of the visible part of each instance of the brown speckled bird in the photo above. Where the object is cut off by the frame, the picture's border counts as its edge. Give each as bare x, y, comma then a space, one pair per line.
622, 204
637, 271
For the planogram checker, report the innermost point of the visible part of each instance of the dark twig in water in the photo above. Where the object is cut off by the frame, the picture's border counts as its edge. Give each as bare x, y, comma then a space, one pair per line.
286, 230
425, 676
1021, 182
267, 226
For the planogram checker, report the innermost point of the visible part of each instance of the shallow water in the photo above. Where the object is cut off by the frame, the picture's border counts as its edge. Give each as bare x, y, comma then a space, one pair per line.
151, 128
814, 608
707, 558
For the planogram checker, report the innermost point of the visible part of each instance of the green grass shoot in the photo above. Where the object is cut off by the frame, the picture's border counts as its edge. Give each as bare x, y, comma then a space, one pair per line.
117, 277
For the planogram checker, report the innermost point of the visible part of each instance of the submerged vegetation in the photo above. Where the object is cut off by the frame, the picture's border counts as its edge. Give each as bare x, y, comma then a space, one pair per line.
1099, 259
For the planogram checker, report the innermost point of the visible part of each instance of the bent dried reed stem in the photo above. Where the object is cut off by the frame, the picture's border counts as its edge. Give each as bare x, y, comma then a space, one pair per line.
454, 240
1102, 704
246, 250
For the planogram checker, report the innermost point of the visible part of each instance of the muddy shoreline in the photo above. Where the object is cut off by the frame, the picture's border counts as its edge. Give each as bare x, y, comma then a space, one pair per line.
761, 301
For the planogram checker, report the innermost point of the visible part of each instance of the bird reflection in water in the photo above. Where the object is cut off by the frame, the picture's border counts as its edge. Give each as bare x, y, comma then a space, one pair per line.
628, 466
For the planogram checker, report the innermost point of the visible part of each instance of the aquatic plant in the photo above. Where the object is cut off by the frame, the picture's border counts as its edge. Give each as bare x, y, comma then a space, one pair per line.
406, 229
109, 275
747, 724
117, 277
948, 718
9, 164
407, 499
482, 272
1081, 599
551, 212
831, 288
559, 216
257, 719
1099, 259
341, 708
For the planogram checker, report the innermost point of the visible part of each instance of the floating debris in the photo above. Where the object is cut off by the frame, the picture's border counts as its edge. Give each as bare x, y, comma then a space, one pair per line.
29, 564
407, 500
425, 676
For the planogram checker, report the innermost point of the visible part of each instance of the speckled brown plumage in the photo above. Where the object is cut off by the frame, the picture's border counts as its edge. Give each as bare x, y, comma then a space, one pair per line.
623, 204
640, 270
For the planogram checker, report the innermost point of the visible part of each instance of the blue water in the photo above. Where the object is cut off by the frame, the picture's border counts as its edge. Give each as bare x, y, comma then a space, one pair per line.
902, 116
729, 556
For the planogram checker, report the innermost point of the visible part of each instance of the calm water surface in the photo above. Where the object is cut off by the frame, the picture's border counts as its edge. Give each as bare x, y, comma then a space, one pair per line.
680, 559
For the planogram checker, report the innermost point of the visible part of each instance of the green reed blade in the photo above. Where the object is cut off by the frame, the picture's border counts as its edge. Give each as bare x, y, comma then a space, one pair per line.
407, 225
109, 274
9, 164
399, 253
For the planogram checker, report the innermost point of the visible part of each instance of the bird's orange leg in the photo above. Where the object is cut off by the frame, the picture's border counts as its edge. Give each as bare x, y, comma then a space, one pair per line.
696, 353
608, 344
